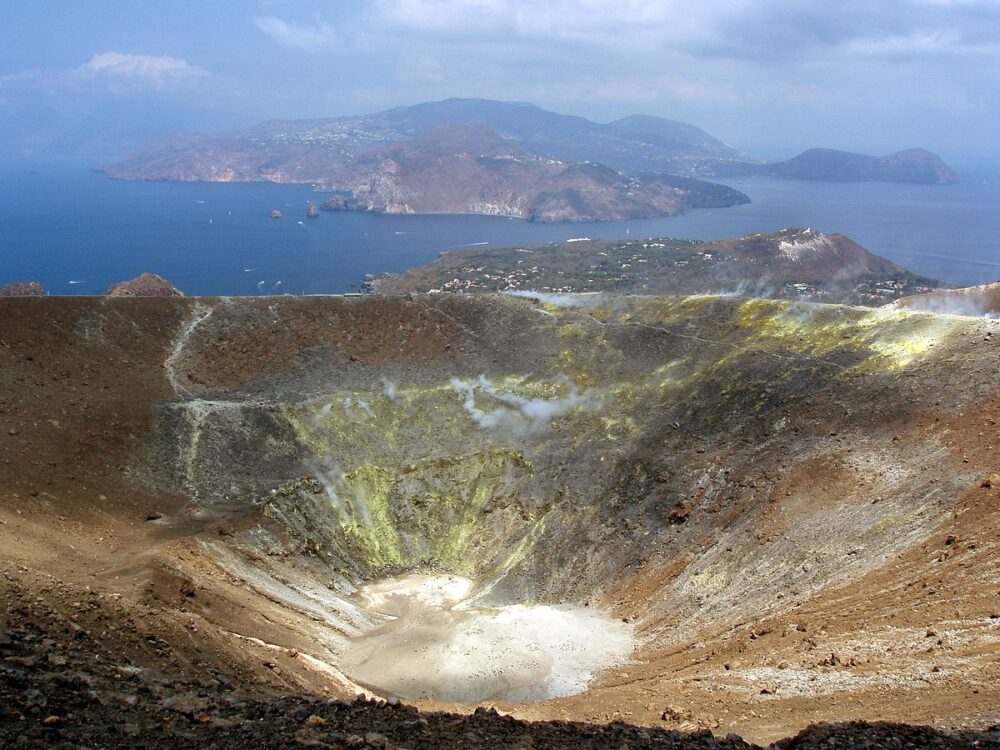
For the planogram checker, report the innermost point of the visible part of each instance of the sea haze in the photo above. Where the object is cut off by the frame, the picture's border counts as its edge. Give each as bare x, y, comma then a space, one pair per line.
61, 224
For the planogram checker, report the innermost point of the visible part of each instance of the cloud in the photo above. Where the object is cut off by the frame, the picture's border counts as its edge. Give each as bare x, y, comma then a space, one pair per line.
587, 21
422, 69
622, 88
765, 32
919, 44
114, 73
157, 70
116, 69
305, 38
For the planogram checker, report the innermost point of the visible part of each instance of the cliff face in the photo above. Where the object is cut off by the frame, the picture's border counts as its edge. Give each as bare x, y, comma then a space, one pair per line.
913, 165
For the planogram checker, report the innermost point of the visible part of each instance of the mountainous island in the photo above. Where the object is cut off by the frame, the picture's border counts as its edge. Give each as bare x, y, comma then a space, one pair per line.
304, 151
790, 264
471, 169
489, 157
914, 165
463, 156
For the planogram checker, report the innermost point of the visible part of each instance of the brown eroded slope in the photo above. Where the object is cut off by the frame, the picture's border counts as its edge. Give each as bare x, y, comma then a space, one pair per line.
786, 500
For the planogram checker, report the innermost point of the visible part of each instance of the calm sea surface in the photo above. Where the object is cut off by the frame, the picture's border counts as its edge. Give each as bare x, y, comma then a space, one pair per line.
77, 232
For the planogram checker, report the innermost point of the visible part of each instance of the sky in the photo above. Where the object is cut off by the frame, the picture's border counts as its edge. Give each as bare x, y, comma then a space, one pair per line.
770, 77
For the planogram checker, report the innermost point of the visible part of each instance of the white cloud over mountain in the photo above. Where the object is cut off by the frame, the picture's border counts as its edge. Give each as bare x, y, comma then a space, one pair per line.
300, 36
151, 68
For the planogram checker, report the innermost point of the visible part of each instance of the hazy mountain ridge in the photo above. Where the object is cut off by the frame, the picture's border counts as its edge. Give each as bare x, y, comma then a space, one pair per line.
103, 130
305, 150
419, 159
914, 165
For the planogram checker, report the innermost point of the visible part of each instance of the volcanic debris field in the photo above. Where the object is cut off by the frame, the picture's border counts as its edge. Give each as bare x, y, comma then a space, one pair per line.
445, 521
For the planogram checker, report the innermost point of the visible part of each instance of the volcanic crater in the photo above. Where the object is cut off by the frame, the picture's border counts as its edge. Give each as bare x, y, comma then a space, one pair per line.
659, 513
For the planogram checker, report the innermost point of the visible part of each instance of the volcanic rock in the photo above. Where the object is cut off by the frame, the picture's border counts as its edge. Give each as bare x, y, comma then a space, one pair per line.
252, 414
22, 289
144, 285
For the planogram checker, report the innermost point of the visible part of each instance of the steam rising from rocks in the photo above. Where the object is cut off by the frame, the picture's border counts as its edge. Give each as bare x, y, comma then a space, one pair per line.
388, 389
520, 415
348, 501
975, 301
557, 300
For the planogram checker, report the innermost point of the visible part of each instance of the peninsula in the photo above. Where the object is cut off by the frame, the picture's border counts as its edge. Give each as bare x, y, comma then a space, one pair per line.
914, 165
801, 264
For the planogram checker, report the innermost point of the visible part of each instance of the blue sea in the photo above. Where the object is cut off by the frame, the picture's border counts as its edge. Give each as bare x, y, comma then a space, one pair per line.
77, 231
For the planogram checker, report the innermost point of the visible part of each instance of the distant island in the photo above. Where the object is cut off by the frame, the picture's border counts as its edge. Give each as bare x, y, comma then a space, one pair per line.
464, 156
471, 169
791, 264
304, 151
504, 158
913, 165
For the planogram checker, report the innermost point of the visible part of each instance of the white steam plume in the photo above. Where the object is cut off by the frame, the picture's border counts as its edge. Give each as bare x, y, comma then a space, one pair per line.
520, 415
557, 300
349, 501
389, 389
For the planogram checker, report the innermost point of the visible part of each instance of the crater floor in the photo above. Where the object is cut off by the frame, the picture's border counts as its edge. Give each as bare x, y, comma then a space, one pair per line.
692, 513
436, 646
